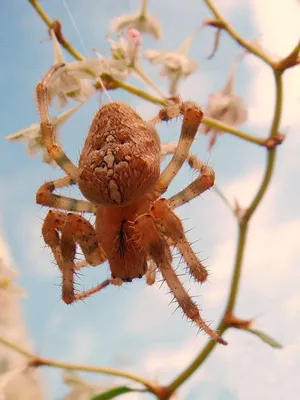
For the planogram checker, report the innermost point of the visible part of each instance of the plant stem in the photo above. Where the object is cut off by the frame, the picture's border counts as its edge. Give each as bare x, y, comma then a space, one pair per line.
140, 93
202, 356
223, 24
243, 229
145, 95
145, 78
36, 360
243, 219
39, 9
51, 24
272, 152
214, 123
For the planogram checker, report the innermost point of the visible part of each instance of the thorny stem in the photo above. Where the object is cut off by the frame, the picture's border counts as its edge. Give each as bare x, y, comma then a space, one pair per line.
36, 361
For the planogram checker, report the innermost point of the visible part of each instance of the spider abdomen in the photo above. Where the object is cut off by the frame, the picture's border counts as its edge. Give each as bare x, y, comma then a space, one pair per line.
120, 161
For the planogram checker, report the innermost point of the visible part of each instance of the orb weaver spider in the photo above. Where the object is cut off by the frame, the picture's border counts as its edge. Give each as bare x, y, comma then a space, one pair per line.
119, 175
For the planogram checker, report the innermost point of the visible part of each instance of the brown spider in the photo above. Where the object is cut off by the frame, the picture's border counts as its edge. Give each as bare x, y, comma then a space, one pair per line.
119, 175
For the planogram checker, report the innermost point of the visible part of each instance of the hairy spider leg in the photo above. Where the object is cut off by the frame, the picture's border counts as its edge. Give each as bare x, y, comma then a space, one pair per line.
202, 183
74, 230
173, 228
159, 251
192, 117
151, 273
55, 151
46, 197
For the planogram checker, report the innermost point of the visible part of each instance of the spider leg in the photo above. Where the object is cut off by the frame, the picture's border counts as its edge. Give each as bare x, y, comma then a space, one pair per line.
172, 227
159, 251
45, 197
151, 272
192, 116
204, 182
55, 151
74, 230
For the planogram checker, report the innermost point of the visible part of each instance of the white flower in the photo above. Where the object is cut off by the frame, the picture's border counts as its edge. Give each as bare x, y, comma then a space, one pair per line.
176, 64
81, 389
225, 106
8, 377
127, 50
140, 20
33, 138
7, 278
92, 68
11, 288
68, 82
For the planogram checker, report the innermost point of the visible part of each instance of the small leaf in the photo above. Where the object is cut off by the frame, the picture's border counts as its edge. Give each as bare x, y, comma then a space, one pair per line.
112, 393
265, 338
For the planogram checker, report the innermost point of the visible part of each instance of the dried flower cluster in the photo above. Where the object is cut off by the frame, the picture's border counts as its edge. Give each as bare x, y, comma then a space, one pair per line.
77, 80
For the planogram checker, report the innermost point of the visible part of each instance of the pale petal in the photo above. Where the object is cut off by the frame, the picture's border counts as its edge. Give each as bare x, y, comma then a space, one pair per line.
24, 133
155, 56
141, 20
11, 288
58, 54
149, 25
119, 23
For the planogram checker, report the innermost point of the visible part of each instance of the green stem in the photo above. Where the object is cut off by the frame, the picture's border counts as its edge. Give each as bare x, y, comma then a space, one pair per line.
272, 153
140, 93
239, 39
48, 21
181, 378
214, 123
145, 78
236, 278
37, 360
243, 228
224, 198
39, 9
144, 6
144, 95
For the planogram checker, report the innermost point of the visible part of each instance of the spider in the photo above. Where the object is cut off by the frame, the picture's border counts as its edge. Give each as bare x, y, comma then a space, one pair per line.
119, 175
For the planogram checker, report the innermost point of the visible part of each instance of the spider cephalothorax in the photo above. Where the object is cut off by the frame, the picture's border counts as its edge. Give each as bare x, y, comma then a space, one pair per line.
119, 175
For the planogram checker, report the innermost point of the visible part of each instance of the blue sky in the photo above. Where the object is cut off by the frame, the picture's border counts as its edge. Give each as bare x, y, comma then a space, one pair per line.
133, 326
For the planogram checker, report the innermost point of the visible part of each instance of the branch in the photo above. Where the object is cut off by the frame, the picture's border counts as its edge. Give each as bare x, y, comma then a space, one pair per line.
36, 361
115, 84
214, 123
243, 229
221, 23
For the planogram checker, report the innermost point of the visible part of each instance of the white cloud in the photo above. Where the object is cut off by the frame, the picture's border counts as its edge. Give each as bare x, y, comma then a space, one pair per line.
278, 23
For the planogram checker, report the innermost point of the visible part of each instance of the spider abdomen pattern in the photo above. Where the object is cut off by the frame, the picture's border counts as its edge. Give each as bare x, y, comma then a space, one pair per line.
120, 160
